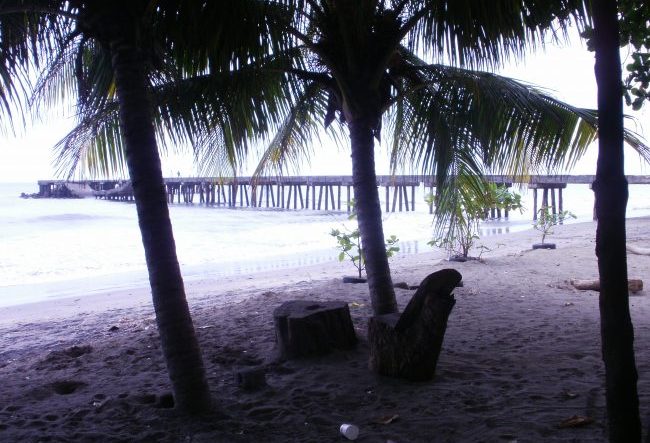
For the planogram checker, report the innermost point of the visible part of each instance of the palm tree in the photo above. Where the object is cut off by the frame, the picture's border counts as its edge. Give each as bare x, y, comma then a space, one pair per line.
611, 192
119, 58
122, 33
114, 66
358, 61
121, 28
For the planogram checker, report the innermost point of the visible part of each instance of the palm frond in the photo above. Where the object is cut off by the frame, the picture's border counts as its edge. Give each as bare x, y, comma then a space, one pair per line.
28, 31
93, 147
491, 123
476, 33
292, 143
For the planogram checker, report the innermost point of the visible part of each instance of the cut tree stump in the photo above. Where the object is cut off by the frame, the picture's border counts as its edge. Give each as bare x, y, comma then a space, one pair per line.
408, 345
633, 284
306, 328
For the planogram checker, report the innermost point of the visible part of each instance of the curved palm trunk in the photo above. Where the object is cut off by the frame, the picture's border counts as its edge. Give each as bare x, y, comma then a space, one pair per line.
366, 195
178, 339
611, 200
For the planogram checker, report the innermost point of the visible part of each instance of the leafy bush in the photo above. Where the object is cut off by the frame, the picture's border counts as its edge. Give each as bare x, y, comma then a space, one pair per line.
349, 243
467, 206
546, 220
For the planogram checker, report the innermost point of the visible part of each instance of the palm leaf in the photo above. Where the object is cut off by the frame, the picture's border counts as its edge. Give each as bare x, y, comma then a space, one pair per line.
488, 122
476, 33
296, 135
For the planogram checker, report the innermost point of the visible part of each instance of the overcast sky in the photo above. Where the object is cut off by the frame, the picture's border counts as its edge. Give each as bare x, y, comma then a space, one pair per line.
565, 72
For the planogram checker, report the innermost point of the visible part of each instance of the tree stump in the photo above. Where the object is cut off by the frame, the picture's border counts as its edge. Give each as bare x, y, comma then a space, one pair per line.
408, 345
306, 328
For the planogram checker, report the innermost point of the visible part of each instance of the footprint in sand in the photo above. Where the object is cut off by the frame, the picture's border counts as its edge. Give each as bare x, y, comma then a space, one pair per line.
63, 358
66, 387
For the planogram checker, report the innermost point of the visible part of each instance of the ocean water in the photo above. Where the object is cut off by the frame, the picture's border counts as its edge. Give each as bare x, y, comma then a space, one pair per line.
63, 247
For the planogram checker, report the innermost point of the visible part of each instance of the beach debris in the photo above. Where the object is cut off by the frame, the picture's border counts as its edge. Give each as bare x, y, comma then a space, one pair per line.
575, 421
349, 431
251, 379
387, 419
348, 279
569, 395
638, 250
113, 329
401, 285
569, 303
355, 304
633, 284
308, 328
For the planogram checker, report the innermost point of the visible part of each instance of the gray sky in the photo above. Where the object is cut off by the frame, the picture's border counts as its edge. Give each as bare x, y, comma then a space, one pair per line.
565, 72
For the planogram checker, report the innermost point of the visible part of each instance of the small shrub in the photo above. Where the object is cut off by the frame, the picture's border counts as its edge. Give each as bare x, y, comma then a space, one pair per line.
349, 243
470, 202
546, 220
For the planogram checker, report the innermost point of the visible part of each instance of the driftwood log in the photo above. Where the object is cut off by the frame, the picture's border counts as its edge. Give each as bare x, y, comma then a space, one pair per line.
638, 250
408, 345
306, 328
633, 284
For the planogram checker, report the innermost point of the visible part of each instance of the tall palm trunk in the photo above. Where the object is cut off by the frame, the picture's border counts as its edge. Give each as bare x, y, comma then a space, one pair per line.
611, 200
382, 293
179, 344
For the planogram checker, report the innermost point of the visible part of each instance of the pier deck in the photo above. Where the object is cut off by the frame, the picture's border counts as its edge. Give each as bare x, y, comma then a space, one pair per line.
307, 192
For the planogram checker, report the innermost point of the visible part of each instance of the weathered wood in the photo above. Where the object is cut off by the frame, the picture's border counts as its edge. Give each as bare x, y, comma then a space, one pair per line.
306, 328
387, 199
633, 284
638, 250
338, 200
289, 197
408, 345
413, 198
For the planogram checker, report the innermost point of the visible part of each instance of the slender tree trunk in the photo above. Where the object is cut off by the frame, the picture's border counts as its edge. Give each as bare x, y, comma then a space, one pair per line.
366, 195
611, 193
177, 335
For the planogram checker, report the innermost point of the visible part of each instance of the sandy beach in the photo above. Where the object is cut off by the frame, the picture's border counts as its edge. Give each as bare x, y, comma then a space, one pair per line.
521, 354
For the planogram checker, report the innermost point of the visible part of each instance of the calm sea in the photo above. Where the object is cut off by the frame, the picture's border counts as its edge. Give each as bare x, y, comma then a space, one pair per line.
60, 247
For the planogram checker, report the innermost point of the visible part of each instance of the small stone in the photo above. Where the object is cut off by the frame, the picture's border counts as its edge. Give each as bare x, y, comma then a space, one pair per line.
251, 379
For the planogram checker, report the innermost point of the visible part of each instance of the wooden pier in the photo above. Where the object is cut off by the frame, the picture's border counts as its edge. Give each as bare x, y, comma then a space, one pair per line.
329, 193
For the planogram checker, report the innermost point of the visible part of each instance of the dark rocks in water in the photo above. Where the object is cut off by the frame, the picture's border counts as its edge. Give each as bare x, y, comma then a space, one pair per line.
34, 195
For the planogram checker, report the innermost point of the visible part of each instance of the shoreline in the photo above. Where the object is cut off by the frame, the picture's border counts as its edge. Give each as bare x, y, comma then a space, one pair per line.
91, 292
